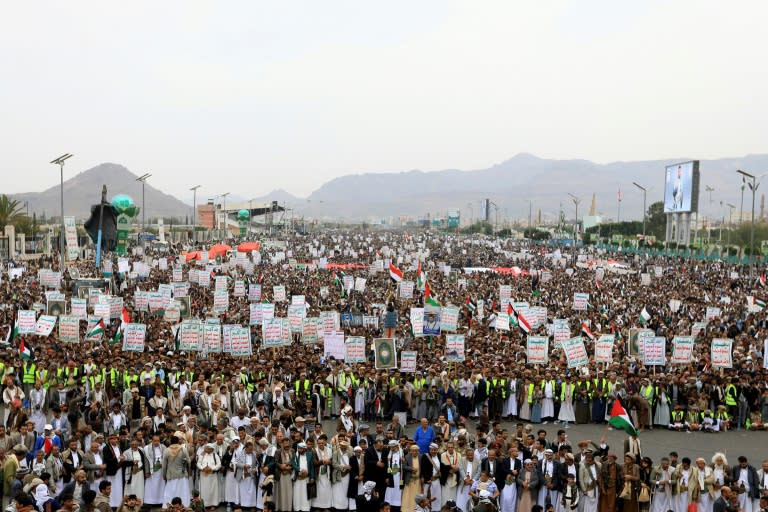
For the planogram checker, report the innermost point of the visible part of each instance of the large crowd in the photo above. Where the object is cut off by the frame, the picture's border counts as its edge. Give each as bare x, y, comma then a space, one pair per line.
89, 426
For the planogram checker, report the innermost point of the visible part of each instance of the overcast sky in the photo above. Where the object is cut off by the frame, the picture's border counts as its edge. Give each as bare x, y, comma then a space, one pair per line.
252, 96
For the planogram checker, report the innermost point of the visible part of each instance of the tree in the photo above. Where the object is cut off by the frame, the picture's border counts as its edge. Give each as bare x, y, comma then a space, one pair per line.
10, 211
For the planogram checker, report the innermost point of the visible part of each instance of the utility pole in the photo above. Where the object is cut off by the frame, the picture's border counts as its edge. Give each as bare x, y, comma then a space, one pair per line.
194, 213
143, 180
644, 193
60, 162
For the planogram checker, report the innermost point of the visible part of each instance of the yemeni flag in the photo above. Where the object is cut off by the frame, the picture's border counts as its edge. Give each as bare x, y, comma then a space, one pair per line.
429, 297
517, 318
421, 278
644, 316
620, 419
25, 351
395, 273
586, 331
95, 330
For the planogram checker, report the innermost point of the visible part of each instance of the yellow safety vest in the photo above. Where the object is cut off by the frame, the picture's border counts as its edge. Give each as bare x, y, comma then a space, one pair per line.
29, 372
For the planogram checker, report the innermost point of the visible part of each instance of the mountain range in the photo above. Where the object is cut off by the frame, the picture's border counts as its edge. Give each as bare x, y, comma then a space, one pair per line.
514, 185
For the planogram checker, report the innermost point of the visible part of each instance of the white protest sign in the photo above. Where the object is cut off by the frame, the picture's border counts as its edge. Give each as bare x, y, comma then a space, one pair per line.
133, 340
354, 347
580, 301
360, 284
712, 313
408, 359
79, 308
189, 336
212, 338
329, 321
220, 301
239, 290
645, 279
240, 338
254, 292
537, 350
502, 322
296, 314
454, 348
449, 318
682, 350
654, 350
274, 332
69, 329
406, 289
309, 331
45, 324
561, 330
721, 353
417, 322
278, 293
604, 348
575, 352
333, 345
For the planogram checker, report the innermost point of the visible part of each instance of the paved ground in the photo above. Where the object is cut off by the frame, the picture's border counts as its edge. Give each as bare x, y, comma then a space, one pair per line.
659, 442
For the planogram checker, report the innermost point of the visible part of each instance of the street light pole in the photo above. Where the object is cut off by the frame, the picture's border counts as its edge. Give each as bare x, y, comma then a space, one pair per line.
730, 221
753, 187
576, 202
644, 193
194, 213
60, 162
143, 179
224, 195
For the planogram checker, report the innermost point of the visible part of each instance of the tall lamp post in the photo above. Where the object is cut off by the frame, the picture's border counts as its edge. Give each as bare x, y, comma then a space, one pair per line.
194, 213
644, 194
143, 179
224, 208
730, 221
60, 162
576, 202
753, 186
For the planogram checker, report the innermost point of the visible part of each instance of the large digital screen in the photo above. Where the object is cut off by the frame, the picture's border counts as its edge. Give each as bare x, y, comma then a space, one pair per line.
681, 187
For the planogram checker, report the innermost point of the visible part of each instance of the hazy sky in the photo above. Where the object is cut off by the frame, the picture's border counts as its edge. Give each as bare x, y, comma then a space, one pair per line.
251, 96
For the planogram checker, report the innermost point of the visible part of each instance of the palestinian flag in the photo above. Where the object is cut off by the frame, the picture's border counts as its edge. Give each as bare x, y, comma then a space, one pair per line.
586, 332
429, 297
125, 319
759, 303
516, 318
470, 305
421, 278
395, 273
337, 281
25, 351
761, 281
96, 329
644, 316
13, 332
620, 419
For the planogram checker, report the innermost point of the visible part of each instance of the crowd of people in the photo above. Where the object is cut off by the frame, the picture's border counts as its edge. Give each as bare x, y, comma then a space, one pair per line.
87, 425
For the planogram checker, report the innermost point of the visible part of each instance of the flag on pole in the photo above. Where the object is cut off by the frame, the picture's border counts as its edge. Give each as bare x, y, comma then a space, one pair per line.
620, 419
586, 331
516, 318
337, 281
125, 319
13, 332
96, 330
761, 280
25, 351
471, 305
429, 297
644, 316
421, 278
395, 273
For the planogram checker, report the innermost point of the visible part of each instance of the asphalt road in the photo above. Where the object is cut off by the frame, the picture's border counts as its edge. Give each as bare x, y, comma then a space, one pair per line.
655, 443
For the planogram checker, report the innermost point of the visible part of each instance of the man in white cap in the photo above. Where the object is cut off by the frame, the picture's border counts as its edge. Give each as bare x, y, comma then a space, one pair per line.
46, 441
209, 465
303, 473
368, 500
548, 469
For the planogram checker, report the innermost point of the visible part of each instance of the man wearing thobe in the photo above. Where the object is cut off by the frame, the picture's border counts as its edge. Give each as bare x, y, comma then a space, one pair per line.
663, 479
94, 465
589, 474
154, 486
632, 445
303, 473
114, 461
745, 483
429, 465
209, 465
135, 470
549, 488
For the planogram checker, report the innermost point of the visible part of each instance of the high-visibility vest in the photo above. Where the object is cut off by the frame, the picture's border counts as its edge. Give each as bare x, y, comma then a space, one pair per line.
130, 380
66, 373
530, 393
564, 387
677, 416
419, 383
114, 377
657, 392
501, 383
29, 373
648, 394
328, 393
730, 395
722, 415
297, 387
42, 375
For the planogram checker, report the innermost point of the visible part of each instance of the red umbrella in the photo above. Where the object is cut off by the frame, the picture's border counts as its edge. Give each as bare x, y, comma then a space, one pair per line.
192, 255
248, 247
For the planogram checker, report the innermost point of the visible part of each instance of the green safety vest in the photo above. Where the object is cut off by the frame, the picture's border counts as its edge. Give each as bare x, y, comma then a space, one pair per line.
297, 387
130, 380
564, 387
29, 373
43, 376
730, 395
530, 393
677, 416
66, 373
